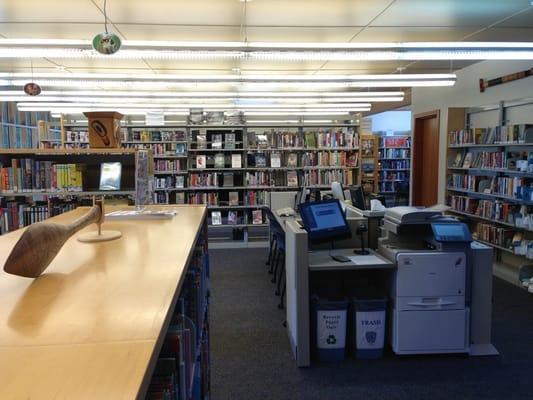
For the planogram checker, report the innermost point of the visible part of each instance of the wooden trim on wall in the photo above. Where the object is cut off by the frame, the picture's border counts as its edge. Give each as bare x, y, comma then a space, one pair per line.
417, 150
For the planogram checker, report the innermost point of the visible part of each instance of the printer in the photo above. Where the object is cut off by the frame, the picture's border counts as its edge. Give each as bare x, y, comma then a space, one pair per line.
441, 290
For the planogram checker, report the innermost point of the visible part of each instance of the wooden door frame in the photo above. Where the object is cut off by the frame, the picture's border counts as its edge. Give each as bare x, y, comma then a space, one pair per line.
417, 150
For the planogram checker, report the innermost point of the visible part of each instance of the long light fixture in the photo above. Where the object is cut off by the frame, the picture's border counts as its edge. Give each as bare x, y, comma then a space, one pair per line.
243, 82
388, 51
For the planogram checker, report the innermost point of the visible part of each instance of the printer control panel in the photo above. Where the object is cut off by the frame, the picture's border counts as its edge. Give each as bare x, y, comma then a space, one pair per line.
451, 232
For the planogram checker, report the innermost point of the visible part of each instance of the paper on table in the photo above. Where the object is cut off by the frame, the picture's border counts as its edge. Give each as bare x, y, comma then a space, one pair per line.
366, 260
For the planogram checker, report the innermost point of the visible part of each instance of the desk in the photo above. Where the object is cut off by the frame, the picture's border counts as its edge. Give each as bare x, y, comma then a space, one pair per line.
92, 325
321, 261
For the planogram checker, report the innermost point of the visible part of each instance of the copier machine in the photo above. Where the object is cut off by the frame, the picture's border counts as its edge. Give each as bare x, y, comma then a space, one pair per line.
441, 290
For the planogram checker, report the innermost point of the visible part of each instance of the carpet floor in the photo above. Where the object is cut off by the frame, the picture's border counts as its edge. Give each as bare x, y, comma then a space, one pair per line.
251, 356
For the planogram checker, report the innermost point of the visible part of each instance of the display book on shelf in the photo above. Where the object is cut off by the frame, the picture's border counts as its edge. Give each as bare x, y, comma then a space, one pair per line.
490, 181
182, 370
369, 163
39, 183
394, 164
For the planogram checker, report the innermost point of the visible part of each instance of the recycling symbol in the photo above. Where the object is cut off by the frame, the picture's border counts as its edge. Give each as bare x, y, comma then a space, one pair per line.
331, 339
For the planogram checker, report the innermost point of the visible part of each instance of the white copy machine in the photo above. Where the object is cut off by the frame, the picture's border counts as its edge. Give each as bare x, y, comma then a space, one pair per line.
441, 291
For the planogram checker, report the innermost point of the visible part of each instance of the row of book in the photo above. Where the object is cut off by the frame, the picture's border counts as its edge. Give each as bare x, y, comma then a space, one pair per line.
154, 135
326, 178
392, 176
28, 174
162, 149
327, 159
182, 371
508, 186
233, 217
249, 198
322, 138
395, 141
394, 153
168, 182
219, 160
15, 215
395, 164
494, 234
392, 186
481, 159
175, 165
202, 140
19, 129
508, 134
496, 210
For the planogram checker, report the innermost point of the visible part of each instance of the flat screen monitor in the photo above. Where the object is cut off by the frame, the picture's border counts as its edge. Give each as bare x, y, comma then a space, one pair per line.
358, 197
110, 175
324, 221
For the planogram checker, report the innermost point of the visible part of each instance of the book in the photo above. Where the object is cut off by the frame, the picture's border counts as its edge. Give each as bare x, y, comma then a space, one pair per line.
229, 141
181, 149
458, 160
257, 217
252, 140
262, 141
292, 160
260, 160
236, 161
200, 161
216, 218
220, 161
180, 181
227, 179
310, 140
468, 160
201, 142
216, 142
233, 198
180, 198
275, 160
292, 178
232, 218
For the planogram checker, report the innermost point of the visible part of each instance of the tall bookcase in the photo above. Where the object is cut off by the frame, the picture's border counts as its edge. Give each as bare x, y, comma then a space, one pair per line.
489, 179
395, 168
38, 183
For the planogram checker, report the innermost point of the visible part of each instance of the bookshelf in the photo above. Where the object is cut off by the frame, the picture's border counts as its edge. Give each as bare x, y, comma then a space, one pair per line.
489, 177
369, 163
394, 168
235, 167
39, 183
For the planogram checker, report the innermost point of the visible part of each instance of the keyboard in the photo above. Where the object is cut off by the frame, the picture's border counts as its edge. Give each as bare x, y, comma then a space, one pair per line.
285, 212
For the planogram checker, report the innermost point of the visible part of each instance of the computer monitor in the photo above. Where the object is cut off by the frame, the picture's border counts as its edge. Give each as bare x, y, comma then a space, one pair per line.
324, 221
358, 197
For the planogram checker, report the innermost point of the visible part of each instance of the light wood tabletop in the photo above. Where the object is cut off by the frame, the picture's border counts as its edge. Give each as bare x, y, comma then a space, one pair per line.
90, 326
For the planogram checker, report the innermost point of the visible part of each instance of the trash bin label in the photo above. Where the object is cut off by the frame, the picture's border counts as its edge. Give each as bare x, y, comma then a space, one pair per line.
331, 329
370, 329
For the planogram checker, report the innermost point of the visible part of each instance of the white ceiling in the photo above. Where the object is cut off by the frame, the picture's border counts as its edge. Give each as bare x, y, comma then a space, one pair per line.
266, 20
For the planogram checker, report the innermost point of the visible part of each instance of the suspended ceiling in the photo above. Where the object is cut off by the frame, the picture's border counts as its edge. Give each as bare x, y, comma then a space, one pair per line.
264, 20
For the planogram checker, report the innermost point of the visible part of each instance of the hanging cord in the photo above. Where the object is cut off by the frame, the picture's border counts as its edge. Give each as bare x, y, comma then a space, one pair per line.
31, 66
105, 16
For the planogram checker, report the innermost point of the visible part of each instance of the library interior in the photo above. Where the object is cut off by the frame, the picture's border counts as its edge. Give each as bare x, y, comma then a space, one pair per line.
266, 199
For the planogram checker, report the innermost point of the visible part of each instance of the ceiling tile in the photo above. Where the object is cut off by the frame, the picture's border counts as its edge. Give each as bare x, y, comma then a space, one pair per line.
505, 35
448, 12
524, 19
411, 34
49, 10
50, 30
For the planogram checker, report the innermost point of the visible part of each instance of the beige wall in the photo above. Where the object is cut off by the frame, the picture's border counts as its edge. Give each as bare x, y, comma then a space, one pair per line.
465, 93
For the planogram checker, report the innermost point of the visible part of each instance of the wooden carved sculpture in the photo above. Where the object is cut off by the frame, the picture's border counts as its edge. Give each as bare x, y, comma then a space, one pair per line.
41, 242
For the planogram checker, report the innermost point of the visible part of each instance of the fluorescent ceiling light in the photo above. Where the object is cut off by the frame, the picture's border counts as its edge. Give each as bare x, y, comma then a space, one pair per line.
169, 85
56, 48
209, 95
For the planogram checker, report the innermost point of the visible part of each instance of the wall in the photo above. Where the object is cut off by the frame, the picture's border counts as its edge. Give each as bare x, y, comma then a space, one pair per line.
465, 93
391, 121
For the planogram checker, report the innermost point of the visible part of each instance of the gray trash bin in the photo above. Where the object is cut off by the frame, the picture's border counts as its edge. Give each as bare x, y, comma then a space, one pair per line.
369, 316
329, 328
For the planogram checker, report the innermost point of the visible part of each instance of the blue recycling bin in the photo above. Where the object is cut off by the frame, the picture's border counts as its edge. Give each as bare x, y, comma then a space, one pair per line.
369, 316
329, 328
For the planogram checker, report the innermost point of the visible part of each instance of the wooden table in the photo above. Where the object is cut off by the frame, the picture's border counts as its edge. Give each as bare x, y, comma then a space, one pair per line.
91, 326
